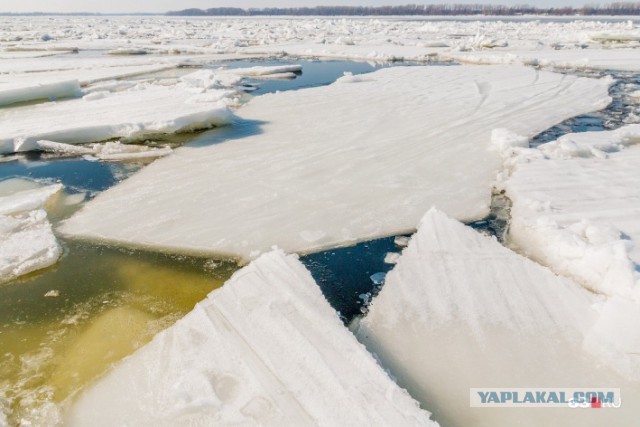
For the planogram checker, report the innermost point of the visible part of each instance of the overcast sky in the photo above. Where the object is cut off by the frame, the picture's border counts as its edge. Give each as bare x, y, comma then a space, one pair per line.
129, 6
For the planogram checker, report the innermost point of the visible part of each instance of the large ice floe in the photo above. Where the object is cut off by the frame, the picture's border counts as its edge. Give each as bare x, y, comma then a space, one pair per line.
362, 158
27, 242
266, 349
460, 310
576, 208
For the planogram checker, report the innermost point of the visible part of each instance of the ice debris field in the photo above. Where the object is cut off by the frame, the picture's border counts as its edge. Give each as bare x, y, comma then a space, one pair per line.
438, 141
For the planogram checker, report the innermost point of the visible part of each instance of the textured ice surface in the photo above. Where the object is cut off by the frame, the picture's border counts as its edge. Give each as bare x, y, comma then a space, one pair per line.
27, 242
352, 161
460, 310
265, 349
576, 208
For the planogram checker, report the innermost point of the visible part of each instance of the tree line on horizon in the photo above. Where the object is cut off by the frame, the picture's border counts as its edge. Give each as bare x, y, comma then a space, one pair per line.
618, 8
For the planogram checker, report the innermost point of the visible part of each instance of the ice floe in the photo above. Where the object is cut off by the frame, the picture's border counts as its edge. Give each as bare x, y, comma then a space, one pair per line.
334, 165
27, 242
576, 208
460, 310
265, 349
136, 113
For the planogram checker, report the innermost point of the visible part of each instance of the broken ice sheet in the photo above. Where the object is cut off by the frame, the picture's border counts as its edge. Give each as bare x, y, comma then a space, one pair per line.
346, 162
287, 351
460, 310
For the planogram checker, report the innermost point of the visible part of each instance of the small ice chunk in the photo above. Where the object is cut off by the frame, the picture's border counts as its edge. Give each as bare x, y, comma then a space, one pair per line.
378, 278
52, 293
57, 147
401, 241
348, 77
504, 139
96, 95
391, 257
27, 244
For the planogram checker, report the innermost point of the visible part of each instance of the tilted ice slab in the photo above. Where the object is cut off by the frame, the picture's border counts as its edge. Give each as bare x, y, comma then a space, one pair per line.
576, 208
109, 151
460, 310
328, 166
258, 71
134, 114
265, 349
27, 242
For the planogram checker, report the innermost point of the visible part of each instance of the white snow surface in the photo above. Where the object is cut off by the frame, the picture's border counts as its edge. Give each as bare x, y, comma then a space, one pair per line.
576, 208
322, 167
27, 242
137, 113
460, 310
265, 349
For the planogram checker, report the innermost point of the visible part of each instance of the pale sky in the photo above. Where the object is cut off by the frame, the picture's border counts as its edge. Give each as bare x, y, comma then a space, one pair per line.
160, 6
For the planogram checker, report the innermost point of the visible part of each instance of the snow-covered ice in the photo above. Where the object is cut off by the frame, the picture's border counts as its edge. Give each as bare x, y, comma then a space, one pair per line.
27, 242
460, 310
576, 208
265, 349
327, 166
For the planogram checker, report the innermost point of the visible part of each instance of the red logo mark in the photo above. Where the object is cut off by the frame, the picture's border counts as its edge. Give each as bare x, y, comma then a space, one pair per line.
596, 403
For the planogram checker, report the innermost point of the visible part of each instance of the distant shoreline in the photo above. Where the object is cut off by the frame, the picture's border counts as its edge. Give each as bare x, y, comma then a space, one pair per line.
618, 9
613, 9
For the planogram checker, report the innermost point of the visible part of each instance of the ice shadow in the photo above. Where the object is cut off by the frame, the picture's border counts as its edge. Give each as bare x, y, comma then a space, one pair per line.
238, 129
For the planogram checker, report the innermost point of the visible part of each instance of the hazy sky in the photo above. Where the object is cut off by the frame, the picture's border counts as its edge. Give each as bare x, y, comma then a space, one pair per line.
125, 6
